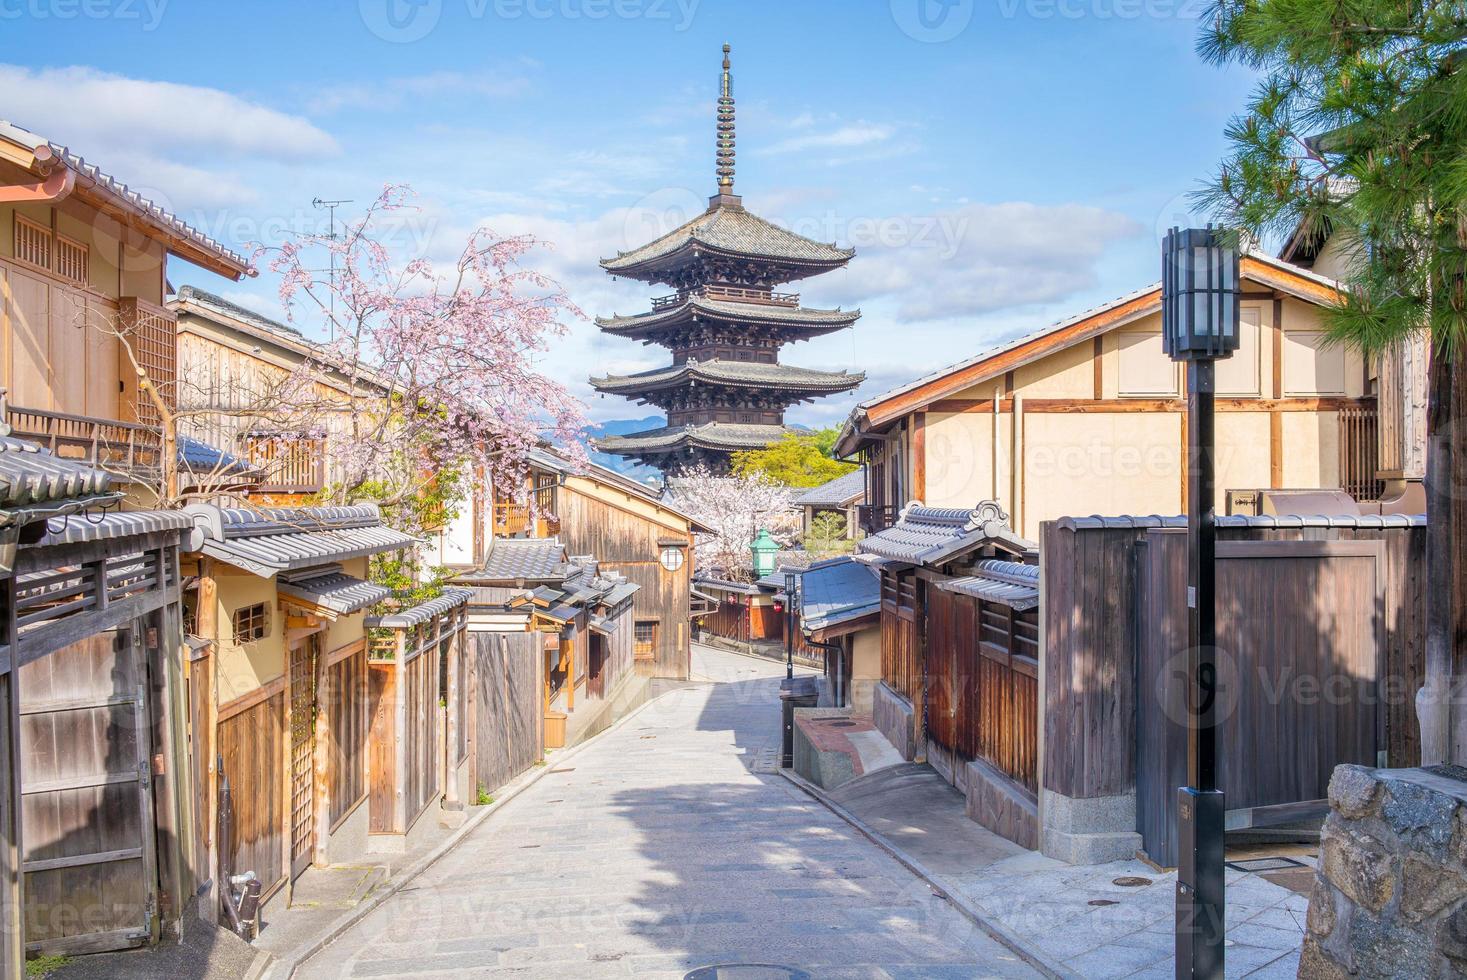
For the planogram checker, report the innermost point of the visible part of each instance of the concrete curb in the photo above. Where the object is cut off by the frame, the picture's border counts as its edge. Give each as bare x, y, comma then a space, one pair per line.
949, 890
284, 967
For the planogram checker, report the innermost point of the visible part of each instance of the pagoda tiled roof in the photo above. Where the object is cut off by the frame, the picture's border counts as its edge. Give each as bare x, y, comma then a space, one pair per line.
733, 231
813, 321
733, 374
726, 436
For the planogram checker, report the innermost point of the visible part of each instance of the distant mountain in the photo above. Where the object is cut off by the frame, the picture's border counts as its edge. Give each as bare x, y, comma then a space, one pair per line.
627, 467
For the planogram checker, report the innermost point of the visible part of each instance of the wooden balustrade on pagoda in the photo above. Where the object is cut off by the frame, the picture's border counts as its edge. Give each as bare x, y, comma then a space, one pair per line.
741, 294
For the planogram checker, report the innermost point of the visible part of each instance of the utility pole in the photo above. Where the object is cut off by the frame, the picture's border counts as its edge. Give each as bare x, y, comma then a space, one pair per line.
330, 208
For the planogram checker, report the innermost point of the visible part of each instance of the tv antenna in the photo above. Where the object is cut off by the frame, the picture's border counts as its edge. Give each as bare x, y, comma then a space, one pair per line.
330, 208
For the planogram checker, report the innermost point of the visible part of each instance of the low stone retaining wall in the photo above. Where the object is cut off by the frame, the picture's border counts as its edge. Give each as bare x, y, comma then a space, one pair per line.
1390, 898
996, 802
893, 716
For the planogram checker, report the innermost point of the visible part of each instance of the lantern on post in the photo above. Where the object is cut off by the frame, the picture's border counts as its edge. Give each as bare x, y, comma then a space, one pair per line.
763, 550
1200, 292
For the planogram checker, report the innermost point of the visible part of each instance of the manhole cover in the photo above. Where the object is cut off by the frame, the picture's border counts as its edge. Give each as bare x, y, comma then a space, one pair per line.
1131, 881
841, 724
747, 971
1252, 865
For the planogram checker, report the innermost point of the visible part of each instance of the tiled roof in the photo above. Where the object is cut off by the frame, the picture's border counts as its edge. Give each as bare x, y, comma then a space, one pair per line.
522, 559
421, 613
80, 529
200, 458
35, 484
932, 535
724, 585
711, 435
838, 591
732, 373
280, 539
1009, 583
732, 230
331, 588
816, 321
840, 492
157, 214
201, 297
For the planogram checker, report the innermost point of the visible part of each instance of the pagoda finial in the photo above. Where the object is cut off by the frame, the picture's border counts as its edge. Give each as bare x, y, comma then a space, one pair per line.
725, 128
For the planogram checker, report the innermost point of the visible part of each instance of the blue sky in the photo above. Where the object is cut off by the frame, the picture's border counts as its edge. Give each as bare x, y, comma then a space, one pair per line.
998, 164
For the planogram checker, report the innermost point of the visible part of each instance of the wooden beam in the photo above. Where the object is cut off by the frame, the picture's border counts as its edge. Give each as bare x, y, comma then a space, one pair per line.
1276, 449
1097, 359
1086, 406
1278, 348
919, 456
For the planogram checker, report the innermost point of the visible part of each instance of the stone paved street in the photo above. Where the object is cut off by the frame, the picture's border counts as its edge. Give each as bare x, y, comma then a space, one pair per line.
667, 845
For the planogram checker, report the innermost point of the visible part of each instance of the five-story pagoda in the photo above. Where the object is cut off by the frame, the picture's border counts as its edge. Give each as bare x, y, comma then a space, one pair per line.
725, 390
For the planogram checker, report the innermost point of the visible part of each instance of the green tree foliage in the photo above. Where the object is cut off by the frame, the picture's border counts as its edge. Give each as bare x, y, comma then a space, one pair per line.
1359, 128
797, 460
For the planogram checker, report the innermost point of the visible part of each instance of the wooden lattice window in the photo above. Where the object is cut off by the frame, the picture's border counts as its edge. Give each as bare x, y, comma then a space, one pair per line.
32, 243
644, 639
153, 335
251, 623
72, 260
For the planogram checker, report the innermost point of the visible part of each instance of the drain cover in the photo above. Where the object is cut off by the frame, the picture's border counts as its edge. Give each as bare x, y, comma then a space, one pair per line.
1102, 902
1131, 881
840, 724
747, 971
1266, 864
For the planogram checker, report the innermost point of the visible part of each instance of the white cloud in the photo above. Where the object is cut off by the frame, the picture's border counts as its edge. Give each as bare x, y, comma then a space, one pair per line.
847, 136
981, 258
91, 109
392, 93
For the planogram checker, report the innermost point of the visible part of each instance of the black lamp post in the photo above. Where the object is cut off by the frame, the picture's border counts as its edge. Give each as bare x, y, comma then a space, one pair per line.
790, 583
1199, 300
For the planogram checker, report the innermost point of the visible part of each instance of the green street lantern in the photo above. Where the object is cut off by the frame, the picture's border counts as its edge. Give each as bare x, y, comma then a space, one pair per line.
763, 549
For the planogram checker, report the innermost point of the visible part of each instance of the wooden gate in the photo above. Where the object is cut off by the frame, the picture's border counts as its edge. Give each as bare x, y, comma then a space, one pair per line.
87, 852
302, 754
596, 672
1300, 639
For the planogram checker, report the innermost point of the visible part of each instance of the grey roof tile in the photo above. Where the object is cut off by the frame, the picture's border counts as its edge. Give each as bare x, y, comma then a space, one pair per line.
733, 373
79, 529
451, 599
712, 435
932, 535
1008, 583
331, 588
732, 230
1137, 522
797, 318
838, 591
33, 477
281, 539
522, 559
840, 492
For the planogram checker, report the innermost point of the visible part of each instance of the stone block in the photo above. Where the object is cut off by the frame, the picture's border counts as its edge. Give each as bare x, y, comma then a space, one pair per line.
1315, 964
1089, 830
1353, 791
893, 716
998, 803
1321, 918
1360, 867
1421, 816
1427, 887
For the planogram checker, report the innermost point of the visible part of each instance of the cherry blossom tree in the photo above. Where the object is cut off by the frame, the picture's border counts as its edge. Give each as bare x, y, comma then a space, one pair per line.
438, 365
736, 507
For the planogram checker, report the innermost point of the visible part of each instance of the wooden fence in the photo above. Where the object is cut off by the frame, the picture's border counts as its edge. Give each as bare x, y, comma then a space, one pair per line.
982, 699
507, 680
1335, 605
901, 653
348, 709
251, 743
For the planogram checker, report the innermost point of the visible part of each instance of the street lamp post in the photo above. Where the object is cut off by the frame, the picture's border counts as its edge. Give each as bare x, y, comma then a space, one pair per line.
1199, 296
791, 582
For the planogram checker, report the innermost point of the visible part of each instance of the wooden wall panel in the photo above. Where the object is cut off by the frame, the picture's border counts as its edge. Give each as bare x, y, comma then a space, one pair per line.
347, 706
507, 704
251, 743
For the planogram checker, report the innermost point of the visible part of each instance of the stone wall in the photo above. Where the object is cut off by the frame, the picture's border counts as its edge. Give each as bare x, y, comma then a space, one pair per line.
893, 716
1390, 898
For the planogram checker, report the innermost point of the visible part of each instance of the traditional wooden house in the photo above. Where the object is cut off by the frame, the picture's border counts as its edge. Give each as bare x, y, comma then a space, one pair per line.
96, 812
1086, 416
960, 654
280, 680
83, 274
626, 527
233, 365
840, 498
583, 618
839, 605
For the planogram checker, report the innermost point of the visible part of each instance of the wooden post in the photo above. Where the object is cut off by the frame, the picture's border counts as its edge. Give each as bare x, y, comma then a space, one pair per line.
287, 838
207, 741
321, 760
399, 710
456, 665
12, 891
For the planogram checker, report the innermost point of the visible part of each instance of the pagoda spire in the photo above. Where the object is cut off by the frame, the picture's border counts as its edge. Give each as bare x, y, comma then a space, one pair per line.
726, 130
